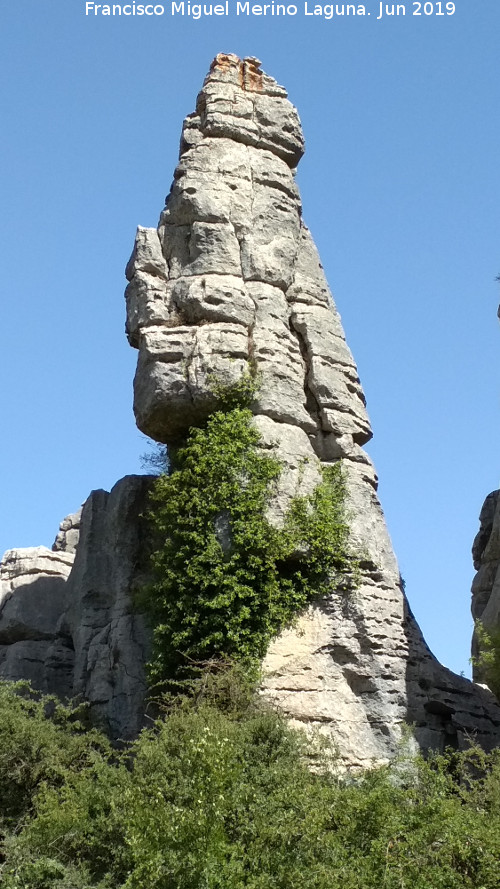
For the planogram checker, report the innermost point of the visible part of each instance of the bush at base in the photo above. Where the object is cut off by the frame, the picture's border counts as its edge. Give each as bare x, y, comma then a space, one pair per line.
210, 800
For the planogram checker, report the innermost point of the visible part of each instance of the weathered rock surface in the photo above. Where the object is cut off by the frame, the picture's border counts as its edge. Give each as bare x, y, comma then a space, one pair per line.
231, 278
32, 600
67, 619
231, 281
486, 584
109, 636
69, 533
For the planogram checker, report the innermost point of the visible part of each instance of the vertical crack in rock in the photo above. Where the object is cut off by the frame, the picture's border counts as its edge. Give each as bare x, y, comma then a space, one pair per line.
312, 404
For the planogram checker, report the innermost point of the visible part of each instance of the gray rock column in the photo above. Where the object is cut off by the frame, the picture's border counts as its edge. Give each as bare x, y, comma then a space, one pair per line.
229, 281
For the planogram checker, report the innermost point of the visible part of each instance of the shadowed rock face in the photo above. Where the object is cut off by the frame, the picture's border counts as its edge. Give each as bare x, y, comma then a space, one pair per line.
231, 281
68, 621
109, 636
486, 584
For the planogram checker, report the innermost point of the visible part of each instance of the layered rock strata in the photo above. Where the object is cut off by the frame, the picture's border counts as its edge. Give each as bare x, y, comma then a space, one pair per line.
230, 282
486, 584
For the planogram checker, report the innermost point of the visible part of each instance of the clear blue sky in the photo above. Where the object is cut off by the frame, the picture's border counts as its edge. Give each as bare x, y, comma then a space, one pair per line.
400, 185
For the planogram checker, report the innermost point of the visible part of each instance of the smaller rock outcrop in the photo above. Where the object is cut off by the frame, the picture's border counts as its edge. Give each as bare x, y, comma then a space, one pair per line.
486, 584
109, 636
32, 600
69, 533
68, 623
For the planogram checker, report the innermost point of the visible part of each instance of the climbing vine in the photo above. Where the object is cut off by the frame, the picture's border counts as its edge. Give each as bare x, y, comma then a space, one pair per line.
225, 580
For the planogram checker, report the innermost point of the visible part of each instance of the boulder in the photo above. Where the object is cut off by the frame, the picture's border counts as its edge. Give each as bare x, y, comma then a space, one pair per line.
68, 535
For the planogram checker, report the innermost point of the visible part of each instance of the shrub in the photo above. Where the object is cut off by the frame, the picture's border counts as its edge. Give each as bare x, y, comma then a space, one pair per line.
40, 740
210, 800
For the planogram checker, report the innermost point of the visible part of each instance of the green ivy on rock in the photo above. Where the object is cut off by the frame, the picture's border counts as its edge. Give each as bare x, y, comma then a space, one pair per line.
225, 580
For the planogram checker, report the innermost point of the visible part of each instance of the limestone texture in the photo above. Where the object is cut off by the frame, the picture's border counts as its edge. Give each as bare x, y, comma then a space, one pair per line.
486, 584
230, 282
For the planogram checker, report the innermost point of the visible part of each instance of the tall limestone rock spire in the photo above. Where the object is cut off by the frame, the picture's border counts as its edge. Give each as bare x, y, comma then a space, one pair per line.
231, 280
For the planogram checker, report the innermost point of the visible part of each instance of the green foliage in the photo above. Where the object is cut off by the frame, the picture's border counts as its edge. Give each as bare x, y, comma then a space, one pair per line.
211, 799
39, 741
42, 743
488, 659
239, 394
225, 579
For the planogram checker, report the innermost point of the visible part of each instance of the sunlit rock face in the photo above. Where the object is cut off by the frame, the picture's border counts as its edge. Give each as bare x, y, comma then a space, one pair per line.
486, 583
230, 281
